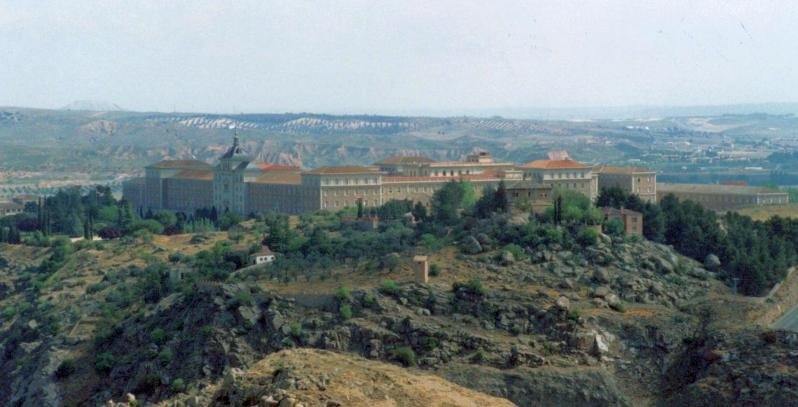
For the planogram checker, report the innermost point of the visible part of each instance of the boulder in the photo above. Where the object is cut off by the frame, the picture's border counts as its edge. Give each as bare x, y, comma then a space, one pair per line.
374, 348
600, 275
232, 377
612, 300
563, 303
657, 288
583, 341
663, 265
275, 319
484, 239
251, 314
601, 291
600, 345
507, 258
711, 262
470, 245
567, 284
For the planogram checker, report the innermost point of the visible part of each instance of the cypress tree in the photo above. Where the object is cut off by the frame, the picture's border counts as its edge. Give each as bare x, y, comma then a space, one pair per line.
500, 202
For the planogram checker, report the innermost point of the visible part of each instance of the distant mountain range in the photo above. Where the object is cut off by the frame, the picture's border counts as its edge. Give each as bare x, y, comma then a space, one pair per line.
620, 112
96, 141
93, 106
533, 113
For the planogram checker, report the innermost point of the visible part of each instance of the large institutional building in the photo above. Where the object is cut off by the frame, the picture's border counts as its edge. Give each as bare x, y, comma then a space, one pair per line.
238, 183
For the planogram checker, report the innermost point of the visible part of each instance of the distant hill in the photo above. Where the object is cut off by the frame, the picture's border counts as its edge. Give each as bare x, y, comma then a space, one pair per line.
93, 106
97, 142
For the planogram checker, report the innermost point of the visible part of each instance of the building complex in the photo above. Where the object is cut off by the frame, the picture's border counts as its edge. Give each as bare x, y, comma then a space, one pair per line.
238, 183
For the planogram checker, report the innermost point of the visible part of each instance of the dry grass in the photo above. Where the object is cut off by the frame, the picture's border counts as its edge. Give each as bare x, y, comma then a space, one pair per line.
355, 381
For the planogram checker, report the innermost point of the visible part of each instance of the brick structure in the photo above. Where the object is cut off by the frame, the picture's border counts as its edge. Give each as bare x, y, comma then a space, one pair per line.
636, 181
632, 220
528, 195
421, 269
723, 197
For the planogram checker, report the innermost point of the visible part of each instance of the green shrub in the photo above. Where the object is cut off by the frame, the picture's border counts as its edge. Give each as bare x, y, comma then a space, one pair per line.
65, 369
104, 362
430, 343
516, 250
404, 355
369, 300
165, 356
614, 227
429, 241
178, 385
296, 331
618, 306
389, 287
588, 237
343, 294
287, 342
158, 336
345, 311
473, 286
434, 270
242, 298
97, 287
9, 311
479, 356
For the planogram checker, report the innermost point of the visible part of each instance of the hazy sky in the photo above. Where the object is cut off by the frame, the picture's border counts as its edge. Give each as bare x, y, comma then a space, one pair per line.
396, 57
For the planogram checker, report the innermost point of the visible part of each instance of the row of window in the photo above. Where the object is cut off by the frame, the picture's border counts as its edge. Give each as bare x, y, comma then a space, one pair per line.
347, 192
566, 175
408, 189
345, 203
349, 181
451, 173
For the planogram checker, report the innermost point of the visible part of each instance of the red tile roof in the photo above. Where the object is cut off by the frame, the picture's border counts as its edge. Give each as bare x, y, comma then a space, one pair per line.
406, 160
488, 175
621, 170
205, 175
347, 169
275, 167
278, 177
554, 164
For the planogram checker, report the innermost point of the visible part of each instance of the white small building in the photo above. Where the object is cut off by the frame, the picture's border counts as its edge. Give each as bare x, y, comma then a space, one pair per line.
263, 256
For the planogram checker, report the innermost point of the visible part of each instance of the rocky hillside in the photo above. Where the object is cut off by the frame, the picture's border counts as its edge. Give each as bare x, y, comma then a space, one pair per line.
624, 322
308, 377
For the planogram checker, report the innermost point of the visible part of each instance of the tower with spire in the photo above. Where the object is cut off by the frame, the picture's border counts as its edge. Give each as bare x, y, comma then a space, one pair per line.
229, 189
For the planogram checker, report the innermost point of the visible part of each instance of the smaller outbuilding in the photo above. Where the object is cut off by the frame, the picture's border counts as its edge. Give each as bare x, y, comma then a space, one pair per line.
421, 269
265, 255
632, 220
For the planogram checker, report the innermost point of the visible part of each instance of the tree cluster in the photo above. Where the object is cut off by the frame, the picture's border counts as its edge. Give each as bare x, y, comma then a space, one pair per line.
755, 255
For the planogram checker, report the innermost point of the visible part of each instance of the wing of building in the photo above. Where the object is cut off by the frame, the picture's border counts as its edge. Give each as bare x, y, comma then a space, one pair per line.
562, 174
634, 180
723, 197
